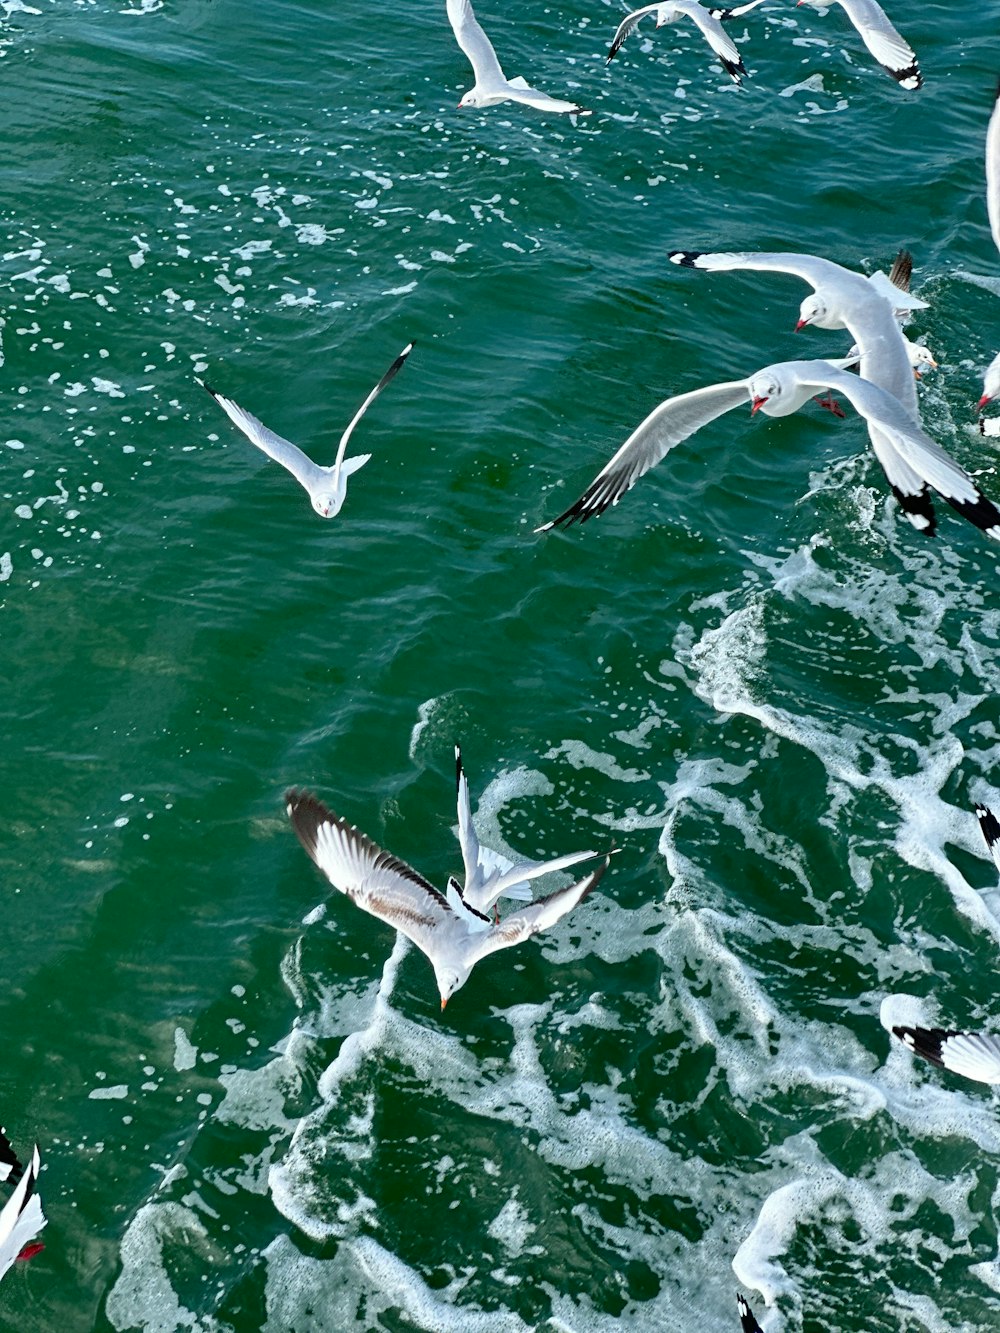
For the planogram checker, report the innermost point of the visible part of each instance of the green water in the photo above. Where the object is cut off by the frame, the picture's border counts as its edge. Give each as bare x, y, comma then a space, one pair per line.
768, 690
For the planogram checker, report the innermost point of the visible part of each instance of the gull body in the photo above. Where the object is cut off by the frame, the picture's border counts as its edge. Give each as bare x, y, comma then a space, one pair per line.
486, 879
492, 85
708, 21
327, 486
452, 934
779, 390
894, 54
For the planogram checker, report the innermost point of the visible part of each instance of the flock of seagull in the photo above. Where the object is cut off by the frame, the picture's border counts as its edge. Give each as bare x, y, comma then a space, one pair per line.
458, 926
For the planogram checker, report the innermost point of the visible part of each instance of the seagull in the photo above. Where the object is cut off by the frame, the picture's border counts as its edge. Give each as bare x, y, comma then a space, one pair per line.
991, 380
485, 878
492, 85
327, 486
974, 1055
453, 935
883, 41
21, 1218
708, 21
991, 831
866, 307
779, 390
749, 1324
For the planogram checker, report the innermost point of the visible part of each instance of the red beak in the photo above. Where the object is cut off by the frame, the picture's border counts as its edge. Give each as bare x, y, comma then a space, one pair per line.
802, 323
757, 402
31, 1250
986, 398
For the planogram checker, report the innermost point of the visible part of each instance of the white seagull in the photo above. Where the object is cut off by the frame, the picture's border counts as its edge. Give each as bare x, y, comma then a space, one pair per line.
452, 934
991, 380
327, 486
708, 21
867, 308
21, 1218
779, 390
485, 878
492, 85
747, 1321
991, 831
890, 50
974, 1055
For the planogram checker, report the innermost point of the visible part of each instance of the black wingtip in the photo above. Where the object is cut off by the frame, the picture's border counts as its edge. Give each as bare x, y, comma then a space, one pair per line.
10, 1157
688, 258
925, 1042
989, 825
747, 1321
909, 78
458, 767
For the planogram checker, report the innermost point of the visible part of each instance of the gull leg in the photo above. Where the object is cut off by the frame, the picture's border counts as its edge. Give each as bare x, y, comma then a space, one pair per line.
831, 405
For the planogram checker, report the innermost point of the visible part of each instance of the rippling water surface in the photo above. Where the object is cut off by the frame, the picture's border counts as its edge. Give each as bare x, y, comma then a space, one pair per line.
774, 696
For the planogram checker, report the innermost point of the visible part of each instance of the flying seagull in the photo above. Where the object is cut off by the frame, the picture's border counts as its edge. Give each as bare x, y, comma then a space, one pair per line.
492, 85
21, 1218
974, 1055
485, 879
708, 21
779, 390
327, 486
883, 41
866, 307
453, 935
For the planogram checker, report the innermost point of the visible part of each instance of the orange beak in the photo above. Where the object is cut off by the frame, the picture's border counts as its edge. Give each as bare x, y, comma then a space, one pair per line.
443, 1003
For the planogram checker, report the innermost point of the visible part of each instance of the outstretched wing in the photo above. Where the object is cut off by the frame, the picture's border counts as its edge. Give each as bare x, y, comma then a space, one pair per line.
538, 915
374, 879
628, 25
466, 830
303, 469
993, 171
670, 423
389, 374
883, 41
716, 36
918, 454
474, 42
974, 1055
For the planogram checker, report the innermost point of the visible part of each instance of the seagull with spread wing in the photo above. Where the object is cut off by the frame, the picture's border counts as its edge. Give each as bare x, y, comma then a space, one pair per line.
327, 486
452, 933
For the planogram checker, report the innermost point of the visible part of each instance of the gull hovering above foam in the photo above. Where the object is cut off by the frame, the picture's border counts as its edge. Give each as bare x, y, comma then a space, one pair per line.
974, 1055
708, 21
991, 380
779, 390
866, 308
747, 1321
990, 827
492, 85
485, 878
452, 934
327, 486
21, 1218
883, 41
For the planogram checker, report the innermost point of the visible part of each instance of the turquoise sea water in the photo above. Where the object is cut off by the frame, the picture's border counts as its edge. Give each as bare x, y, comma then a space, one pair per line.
752, 676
